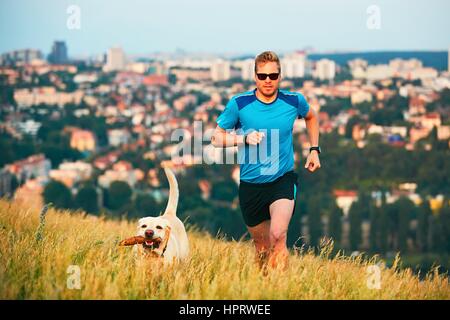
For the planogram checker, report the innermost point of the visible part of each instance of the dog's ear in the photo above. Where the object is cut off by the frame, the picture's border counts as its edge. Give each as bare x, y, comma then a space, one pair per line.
167, 232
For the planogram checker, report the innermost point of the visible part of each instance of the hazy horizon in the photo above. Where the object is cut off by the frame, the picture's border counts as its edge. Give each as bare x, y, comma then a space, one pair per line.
229, 28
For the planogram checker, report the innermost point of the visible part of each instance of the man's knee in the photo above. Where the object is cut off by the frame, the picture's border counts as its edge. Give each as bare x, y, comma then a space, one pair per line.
262, 243
278, 236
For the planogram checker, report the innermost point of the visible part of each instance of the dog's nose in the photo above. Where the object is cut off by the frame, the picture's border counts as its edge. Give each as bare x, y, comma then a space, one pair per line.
149, 233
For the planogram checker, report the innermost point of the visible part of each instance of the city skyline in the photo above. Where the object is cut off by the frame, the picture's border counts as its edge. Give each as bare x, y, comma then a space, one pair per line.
149, 28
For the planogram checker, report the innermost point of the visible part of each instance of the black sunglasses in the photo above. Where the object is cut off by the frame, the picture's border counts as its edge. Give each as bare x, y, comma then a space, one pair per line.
263, 76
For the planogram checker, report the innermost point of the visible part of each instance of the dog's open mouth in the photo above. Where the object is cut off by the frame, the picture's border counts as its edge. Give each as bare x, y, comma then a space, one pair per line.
151, 243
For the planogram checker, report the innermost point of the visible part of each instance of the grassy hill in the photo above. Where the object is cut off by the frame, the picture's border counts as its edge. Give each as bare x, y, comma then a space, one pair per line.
31, 269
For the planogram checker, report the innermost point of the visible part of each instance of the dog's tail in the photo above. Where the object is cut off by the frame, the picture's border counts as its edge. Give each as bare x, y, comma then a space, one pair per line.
172, 204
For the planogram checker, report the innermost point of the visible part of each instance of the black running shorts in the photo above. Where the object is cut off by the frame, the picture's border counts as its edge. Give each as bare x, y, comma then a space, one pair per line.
255, 198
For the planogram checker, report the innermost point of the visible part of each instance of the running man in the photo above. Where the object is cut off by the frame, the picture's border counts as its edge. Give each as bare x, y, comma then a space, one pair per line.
263, 120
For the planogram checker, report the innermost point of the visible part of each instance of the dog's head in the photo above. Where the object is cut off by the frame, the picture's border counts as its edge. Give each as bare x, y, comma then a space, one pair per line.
155, 231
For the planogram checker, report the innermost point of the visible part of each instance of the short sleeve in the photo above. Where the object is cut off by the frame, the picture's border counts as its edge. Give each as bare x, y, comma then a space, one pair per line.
303, 106
230, 116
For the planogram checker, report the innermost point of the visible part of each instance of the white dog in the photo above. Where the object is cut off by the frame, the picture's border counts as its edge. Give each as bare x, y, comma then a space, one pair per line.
164, 236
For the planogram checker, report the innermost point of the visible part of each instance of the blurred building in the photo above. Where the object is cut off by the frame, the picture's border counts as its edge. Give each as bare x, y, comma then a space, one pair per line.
115, 60
23, 56
82, 140
220, 70
293, 65
360, 96
117, 137
5, 183
29, 127
325, 69
358, 68
379, 72
121, 171
70, 173
33, 166
46, 95
138, 67
58, 55
30, 194
247, 69
184, 74
345, 198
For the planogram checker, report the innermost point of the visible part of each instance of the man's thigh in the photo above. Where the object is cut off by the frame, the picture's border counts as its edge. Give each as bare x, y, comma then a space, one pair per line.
260, 233
281, 212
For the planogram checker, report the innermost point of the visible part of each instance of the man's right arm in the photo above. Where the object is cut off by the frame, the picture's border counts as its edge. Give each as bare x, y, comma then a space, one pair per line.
223, 139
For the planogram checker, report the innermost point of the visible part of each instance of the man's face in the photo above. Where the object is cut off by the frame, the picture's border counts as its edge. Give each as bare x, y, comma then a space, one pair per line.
267, 87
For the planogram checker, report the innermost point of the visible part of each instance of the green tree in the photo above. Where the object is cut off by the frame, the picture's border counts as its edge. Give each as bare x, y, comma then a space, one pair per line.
440, 230
86, 199
119, 195
224, 190
444, 218
335, 224
57, 193
145, 205
383, 225
374, 228
355, 219
424, 215
314, 222
406, 211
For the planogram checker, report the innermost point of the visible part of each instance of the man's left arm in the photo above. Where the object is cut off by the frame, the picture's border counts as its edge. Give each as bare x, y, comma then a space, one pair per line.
312, 125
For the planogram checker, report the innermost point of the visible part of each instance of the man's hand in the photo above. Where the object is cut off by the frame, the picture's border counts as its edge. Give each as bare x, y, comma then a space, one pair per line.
312, 162
254, 138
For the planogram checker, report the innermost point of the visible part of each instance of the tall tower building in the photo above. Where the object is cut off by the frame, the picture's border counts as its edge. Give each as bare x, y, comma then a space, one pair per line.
115, 60
247, 69
293, 65
58, 54
220, 70
325, 69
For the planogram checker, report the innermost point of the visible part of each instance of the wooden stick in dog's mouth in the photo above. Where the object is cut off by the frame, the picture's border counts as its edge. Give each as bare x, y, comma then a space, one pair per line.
132, 241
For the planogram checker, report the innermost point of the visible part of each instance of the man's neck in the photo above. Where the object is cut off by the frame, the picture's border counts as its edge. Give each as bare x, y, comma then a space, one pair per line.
266, 99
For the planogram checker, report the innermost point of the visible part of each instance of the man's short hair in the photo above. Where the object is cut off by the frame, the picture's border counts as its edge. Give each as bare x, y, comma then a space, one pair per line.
267, 56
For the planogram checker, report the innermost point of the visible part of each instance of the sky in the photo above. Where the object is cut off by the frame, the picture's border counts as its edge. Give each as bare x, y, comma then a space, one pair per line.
230, 27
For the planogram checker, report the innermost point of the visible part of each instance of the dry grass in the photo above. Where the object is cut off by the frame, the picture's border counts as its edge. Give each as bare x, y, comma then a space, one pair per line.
216, 269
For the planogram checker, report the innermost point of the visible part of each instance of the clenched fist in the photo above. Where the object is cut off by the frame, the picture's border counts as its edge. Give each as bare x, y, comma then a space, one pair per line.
254, 138
312, 162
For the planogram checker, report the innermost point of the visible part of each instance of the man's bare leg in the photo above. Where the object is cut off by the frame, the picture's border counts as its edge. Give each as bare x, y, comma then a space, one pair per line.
260, 235
280, 213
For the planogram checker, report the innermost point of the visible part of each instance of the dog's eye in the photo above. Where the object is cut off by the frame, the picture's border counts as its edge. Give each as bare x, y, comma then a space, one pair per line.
158, 227
144, 226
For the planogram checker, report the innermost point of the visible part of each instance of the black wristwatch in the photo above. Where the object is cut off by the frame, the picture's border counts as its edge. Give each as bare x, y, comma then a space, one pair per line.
315, 148
245, 140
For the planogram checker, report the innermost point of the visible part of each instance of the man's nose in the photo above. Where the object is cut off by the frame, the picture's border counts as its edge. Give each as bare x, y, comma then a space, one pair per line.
149, 233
